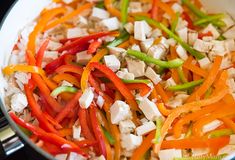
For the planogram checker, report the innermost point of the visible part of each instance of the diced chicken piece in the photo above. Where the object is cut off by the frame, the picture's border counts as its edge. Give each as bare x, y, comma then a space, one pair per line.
100, 101
135, 7
125, 75
22, 77
100, 158
232, 139
61, 156
181, 24
211, 126
86, 98
152, 75
145, 128
145, 45
231, 72
170, 82
76, 132
157, 51
213, 30
231, 84
226, 62
200, 151
204, 63
171, 42
52, 55
52, 45
83, 58
66, 83
230, 33
228, 149
227, 19
169, 154
218, 48
192, 36
126, 126
135, 47
174, 103
167, 16
230, 45
141, 30
18, 102
181, 52
144, 120
156, 33
137, 71
177, 8
75, 156
76, 32
119, 111
107, 38
207, 38
183, 34
81, 21
129, 27
130, 141
164, 42
112, 62
202, 46
117, 51
99, 14
67, 1
110, 24
149, 109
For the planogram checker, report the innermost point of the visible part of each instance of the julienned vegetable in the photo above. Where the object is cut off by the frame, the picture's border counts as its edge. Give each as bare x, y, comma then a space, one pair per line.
165, 64
157, 138
124, 10
62, 89
192, 51
185, 86
136, 81
120, 39
108, 136
219, 157
220, 133
211, 18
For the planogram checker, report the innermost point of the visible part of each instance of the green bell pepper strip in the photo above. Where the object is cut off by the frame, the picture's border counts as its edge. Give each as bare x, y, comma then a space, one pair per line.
120, 39
144, 57
219, 157
211, 19
185, 86
124, 10
109, 137
159, 123
181, 75
220, 133
62, 89
100, 5
161, 26
136, 81
175, 22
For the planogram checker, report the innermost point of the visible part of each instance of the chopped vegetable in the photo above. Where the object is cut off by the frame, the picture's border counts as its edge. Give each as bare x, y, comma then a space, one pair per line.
210, 19
124, 10
108, 136
159, 123
185, 86
62, 89
175, 22
136, 81
220, 133
218, 157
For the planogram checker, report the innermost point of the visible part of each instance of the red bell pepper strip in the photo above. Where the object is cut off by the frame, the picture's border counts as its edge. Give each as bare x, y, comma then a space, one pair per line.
37, 112
45, 106
84, 40
52, 138
68, 108
154, 10
52, 120
52, 149
69, 68
68, 59
94, 46
142, 87
201, 35
65, 40
82, 115
97, 130
117, 82
86, 143
40, 53
187, 18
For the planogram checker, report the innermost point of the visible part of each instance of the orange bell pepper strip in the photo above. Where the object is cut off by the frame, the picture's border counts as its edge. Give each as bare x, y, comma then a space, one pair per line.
94, 46
68, 16
22, 68
40, 53
66, 132
154, 10
161, 92
67, 77
31, 47
142, 87
229, 123
196, 105
49, 137
68, 108
166, 8
207, 82
69, 68
117, 82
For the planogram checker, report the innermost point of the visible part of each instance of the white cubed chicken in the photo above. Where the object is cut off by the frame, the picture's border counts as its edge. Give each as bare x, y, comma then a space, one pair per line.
166, 16
169, 154
137, 71
50, 55
200, 151
75, 156
117, 51
149, 109
112, 62
177, 8
124, 74
213, 30
129, 27
22, 77
86, 99
204, 62
228, 149
76, 32
169, 82
130, 141
174, 103
171, 42
145, 128
81, 21
99, 14
67, 1
145, 45
53, 45
231, 84
192, 36
183, 34
119, 111
100, 101
181, 24
135, 7
109, 24
100, 158
66, 83
76, 132
144, 120
141, 30
136, 47
202, 46
181, 52
211, 126
18, 102
231, 72
164, 42
126, 126
227, 19
61, 156
152, 75
230, 45
157, 51
83, 58
230, 33
156, 33
218, 48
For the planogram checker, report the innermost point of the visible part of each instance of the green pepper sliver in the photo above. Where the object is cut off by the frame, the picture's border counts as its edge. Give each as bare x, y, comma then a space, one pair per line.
220, 133
124, 10
159, 123
161, 26
136, 81
109, 137
185, 86
210, 19
181, 75
219, 157
175, 22
120, 39
62, 89
165, 64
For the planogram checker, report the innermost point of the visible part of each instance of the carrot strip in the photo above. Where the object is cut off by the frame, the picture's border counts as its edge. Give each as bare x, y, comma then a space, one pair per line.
67, 77
161, 92
165, 7
68, 16
229, 123
66, 132
154, 11
208, 81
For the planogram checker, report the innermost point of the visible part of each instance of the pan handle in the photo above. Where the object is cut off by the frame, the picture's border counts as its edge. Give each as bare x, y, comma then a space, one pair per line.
9, 141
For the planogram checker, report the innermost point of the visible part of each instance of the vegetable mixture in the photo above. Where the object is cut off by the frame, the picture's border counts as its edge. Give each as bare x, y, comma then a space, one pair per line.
147, 79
